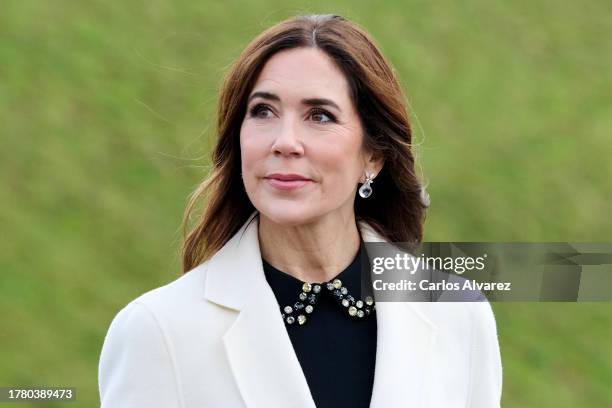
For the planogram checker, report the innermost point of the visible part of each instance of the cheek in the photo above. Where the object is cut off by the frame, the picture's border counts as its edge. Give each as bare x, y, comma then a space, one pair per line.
339, 165
250, 156
251, 151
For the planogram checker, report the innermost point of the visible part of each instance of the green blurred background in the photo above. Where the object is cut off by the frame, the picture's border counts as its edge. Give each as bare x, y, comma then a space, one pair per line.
107, 121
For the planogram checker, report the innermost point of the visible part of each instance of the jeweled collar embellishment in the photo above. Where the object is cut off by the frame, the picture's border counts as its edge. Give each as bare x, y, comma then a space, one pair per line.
355, 308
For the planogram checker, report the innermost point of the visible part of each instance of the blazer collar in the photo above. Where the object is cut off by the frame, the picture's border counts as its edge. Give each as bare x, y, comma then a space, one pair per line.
260, 352
237, 266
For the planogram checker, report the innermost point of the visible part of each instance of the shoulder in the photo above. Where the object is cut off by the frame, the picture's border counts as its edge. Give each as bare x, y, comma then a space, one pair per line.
466, 319
152, 307
138, 354
146, 320
188, 288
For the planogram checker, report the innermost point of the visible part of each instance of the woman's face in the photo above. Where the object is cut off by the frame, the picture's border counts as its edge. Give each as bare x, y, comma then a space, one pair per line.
301, 123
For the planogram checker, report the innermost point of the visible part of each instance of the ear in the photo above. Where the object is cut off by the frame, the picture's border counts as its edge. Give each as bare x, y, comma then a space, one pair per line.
373, 162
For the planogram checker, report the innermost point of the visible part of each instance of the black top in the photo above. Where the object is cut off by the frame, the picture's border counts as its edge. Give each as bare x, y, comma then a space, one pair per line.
337, 353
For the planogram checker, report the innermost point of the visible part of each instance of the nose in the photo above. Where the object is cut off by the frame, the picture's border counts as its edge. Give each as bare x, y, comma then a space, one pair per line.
288, 140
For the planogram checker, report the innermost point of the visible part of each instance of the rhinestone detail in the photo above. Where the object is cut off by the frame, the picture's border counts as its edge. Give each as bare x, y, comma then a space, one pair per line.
308, 297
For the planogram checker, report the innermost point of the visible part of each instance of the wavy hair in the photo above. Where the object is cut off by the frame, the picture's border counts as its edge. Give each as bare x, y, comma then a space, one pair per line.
396, 210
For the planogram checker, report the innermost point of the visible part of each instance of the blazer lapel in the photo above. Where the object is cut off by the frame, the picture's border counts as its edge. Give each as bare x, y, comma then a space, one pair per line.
402, 376
260, 351
404, 347
257, 345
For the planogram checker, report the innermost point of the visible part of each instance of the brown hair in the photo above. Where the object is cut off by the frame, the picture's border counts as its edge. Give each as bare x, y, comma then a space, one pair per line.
395, 209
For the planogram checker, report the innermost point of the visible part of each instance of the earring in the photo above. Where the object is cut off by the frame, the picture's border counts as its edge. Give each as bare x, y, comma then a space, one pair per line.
424, 195
366, 189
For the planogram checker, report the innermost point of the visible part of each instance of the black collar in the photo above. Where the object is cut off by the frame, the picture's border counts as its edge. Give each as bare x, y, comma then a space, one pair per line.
298, 300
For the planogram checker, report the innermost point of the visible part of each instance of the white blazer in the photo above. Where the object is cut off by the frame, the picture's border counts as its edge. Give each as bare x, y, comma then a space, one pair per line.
214, 338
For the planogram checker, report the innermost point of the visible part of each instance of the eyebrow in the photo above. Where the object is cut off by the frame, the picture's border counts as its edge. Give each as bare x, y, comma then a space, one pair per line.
307, 102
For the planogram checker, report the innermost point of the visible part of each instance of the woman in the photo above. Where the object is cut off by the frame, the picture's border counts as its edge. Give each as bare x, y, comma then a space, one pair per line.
313, 159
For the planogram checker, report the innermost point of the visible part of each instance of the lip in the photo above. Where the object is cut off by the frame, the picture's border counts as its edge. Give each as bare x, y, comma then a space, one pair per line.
287, 181
286, 177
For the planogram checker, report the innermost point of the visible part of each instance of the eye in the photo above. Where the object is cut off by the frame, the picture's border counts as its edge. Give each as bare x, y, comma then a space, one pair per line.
319, 115
257, 109
318, 112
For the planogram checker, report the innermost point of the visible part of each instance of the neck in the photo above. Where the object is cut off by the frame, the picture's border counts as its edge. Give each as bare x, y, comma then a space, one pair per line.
312, 252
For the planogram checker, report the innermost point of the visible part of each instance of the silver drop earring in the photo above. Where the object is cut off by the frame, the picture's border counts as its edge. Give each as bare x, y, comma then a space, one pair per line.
366, 189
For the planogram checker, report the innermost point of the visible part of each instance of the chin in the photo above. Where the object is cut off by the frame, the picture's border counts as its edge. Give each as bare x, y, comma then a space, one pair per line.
288, 214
